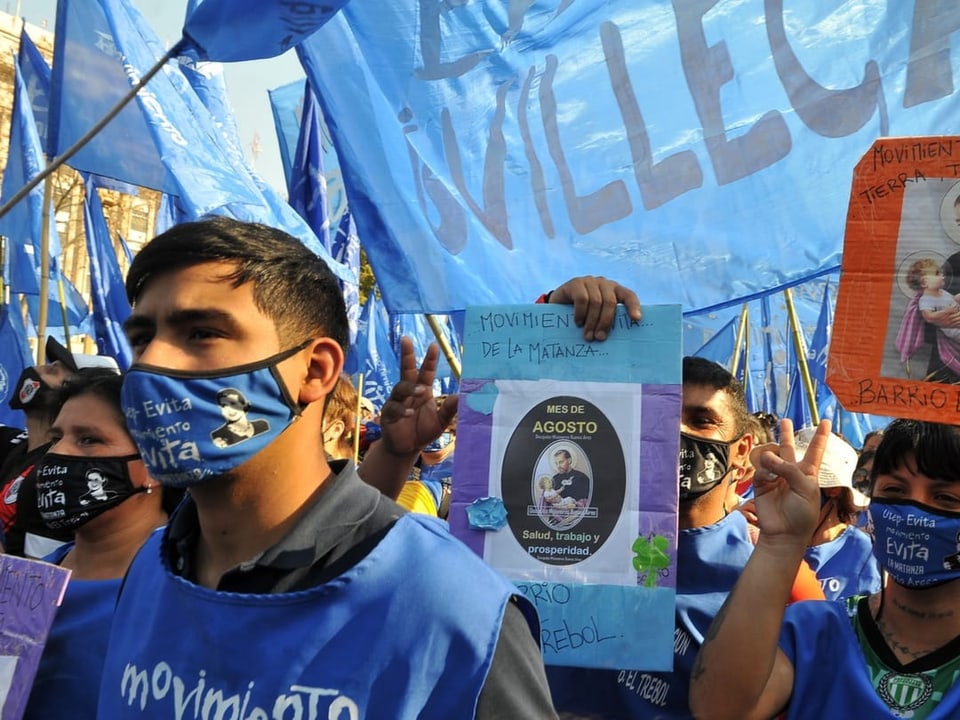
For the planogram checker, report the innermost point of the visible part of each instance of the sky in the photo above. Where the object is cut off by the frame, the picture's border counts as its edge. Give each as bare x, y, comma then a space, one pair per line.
247, 82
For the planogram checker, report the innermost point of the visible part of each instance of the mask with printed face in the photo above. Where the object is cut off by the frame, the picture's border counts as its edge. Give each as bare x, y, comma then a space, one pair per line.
31, 391
194, 426
703, 465
73, 490
919, 546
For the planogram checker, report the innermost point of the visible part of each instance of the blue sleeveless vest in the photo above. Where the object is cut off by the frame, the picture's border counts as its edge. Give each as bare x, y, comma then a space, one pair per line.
845, 566
392, 637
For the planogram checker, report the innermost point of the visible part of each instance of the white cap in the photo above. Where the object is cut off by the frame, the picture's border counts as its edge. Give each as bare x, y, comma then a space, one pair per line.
96, 361
838, 463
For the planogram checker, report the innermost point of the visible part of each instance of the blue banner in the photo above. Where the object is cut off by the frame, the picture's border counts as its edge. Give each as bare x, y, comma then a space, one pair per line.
110, 306
307, 187
492, 151
230, 30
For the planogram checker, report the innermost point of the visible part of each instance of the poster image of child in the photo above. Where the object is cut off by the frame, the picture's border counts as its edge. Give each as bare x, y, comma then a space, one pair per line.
923, 325
561, 491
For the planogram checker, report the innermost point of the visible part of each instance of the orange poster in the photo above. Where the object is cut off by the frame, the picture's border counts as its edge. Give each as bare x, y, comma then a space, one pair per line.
895, 348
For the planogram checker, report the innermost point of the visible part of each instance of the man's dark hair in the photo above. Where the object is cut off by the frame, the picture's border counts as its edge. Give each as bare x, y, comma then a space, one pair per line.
700, 371
291, 285
935, 448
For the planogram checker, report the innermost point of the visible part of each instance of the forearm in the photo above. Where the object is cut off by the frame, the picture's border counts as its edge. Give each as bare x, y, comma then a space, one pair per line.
736, 674
386, 471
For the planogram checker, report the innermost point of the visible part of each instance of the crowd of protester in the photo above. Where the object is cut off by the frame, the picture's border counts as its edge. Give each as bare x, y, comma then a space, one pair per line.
298, 559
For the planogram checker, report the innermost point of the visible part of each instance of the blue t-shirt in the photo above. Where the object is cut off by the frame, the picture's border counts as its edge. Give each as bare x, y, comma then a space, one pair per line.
845, 566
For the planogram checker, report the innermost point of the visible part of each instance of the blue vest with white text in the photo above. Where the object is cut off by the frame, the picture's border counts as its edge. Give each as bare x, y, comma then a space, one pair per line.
386, 639
845, 566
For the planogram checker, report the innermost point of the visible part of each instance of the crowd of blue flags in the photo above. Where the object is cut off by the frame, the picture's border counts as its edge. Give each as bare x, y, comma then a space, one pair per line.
479, 166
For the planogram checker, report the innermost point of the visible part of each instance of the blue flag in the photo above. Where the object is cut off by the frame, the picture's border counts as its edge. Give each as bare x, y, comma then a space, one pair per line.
492, 151
14, 357
797, 408
36, 77
373, 355
721, 347
307, 188
109, 40
231, 30
346, 250
110, 306
286, 104
22, 225
817, 353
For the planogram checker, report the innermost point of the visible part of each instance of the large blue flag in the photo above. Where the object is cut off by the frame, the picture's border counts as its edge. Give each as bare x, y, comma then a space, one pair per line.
493, 150
14, 357
249, 29
110, 306
817, 353
111, 42
372, 355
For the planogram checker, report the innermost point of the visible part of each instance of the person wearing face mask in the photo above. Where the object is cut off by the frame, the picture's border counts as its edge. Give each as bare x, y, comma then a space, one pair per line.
290, 583
35, 394
840, 553
892, 653
93, 484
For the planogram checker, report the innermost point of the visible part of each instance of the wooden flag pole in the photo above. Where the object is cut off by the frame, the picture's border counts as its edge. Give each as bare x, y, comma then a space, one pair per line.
801, 350
444, 345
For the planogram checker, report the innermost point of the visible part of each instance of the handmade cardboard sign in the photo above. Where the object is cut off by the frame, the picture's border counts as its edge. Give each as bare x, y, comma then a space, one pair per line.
30, 593
566, 475
895, 348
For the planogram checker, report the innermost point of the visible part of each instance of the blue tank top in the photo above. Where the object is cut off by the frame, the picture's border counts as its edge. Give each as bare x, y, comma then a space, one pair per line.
389, 638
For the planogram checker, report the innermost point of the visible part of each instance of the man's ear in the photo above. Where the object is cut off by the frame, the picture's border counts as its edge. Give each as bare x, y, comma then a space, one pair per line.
740, 450
323, 371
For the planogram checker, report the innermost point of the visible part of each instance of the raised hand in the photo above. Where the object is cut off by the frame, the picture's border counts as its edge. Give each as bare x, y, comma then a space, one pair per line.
786, 491
410, 418
594, 301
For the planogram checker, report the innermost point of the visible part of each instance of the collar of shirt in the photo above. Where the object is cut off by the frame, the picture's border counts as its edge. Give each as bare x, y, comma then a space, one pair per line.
344, 513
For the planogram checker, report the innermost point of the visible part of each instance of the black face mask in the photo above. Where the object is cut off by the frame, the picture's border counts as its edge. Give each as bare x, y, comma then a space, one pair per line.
703, 465
31, 391
73, 490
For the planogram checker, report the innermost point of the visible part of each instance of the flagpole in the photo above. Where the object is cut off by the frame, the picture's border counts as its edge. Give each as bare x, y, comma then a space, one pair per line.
44, 272
76, 147
801, 351
356, 420
444, 345
738, 343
